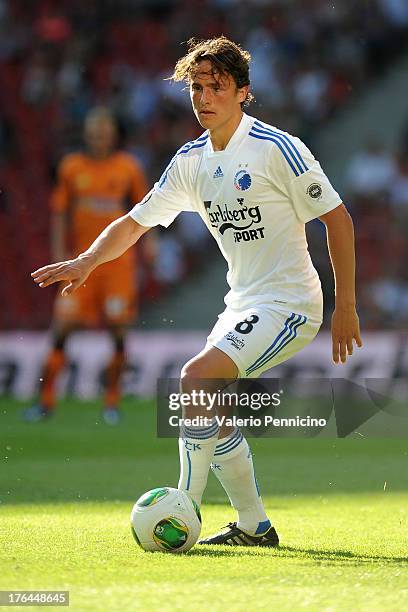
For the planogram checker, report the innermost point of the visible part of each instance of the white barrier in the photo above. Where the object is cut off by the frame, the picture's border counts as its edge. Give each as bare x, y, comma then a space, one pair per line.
158, 354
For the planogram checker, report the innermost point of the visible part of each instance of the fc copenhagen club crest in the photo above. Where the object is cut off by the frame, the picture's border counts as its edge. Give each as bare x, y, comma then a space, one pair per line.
242, 180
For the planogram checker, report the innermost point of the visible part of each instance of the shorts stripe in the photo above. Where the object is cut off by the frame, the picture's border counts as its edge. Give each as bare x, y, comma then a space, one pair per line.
289, 334
278, 337
285, 341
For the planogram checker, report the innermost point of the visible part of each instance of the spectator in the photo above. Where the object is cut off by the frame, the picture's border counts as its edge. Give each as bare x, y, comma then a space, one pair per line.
371, 170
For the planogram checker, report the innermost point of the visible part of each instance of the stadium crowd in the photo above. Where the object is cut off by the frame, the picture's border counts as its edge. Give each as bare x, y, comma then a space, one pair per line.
60, 58
376, 193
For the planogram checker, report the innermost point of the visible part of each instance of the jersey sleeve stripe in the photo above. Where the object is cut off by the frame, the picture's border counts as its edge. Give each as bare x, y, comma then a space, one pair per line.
290, 333
202, 137
147, 197
163, 177
284, 143
268, 128
192, 144
294, 152
279, 144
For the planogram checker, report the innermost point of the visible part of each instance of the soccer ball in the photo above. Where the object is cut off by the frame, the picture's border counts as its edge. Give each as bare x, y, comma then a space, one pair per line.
166, 520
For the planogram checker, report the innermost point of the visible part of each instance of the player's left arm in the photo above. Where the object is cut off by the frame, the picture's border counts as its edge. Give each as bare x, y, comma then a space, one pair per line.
345, 322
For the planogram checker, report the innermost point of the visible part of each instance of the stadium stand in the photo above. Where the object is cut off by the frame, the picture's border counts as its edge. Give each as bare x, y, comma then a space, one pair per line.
59, 58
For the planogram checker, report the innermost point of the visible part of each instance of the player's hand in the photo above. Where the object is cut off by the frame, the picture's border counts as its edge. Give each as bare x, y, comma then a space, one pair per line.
345, 329
75, 271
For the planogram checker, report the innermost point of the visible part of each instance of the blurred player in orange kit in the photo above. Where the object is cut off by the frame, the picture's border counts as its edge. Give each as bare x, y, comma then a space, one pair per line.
94, 188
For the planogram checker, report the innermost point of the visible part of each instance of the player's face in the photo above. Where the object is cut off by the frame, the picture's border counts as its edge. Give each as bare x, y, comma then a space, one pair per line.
100, 137
215, 98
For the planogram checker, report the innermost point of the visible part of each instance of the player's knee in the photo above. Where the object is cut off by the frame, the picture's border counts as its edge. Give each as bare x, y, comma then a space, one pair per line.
209, 370
197, 374
200, 374
60, 340
119, 344
195, 378
192, 371
118, 338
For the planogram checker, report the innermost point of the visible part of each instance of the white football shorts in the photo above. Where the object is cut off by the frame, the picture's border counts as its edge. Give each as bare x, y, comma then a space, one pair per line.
261, 337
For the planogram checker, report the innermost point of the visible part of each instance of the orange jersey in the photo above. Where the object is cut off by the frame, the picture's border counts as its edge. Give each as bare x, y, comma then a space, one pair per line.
95, 192
108, 297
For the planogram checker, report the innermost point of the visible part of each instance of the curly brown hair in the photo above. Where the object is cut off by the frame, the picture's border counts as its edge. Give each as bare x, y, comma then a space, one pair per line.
226, 57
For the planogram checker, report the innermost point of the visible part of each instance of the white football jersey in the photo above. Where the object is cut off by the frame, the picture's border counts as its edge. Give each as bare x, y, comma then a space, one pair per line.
255, 197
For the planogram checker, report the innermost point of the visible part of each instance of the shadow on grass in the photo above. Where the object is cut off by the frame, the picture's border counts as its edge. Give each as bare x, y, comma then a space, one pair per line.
309, 554
340, 555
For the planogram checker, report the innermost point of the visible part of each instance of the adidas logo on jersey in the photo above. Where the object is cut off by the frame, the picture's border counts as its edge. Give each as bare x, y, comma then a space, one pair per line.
218, 173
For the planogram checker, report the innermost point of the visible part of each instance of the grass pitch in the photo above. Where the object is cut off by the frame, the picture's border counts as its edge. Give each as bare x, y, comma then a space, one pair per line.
67, 487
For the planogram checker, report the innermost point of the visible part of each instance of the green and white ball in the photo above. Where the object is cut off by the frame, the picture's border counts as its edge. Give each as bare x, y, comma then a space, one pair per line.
166, 520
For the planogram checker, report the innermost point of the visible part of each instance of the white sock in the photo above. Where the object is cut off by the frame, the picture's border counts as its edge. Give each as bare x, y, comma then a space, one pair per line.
196, 449
232, 465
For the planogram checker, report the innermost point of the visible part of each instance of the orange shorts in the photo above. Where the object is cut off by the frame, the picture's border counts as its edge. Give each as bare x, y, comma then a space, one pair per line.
107, 298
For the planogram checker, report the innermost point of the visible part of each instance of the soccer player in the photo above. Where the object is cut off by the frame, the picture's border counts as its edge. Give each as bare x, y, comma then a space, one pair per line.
94, 188
255, 187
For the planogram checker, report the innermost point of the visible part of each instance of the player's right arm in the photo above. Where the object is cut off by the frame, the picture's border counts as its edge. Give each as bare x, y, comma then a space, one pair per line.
60, 200
58, 236
115, 239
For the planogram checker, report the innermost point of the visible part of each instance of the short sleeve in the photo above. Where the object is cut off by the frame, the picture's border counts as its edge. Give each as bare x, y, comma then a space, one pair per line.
302, 178
165, 201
